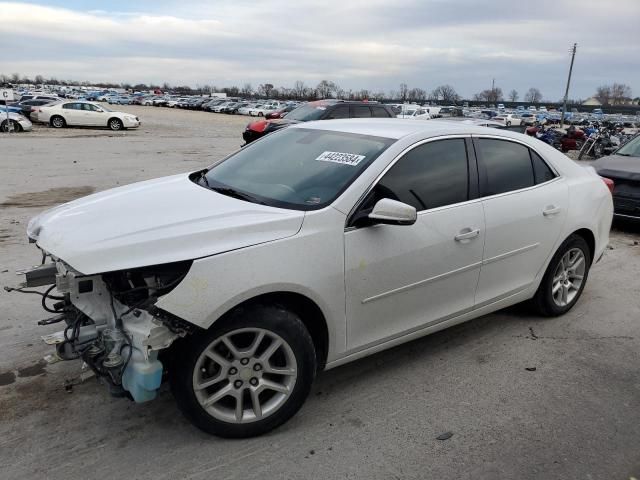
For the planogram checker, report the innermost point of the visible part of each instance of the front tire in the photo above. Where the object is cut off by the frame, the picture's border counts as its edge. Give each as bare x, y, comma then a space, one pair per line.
248, 374
115, 124
16, 127
565, 278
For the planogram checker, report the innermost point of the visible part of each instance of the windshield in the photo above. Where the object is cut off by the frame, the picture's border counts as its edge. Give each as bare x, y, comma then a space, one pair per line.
631, 148
303, 169
306, 113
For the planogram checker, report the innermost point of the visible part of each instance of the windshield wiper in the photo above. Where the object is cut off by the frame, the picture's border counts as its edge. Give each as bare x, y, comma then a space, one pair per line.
232, 192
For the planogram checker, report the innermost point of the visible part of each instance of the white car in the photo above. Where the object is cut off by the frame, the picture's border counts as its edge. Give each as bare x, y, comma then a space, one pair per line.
508, 119
218, 108
85, 114
16, 122
245, 110
320, 244
411, 112
264, 109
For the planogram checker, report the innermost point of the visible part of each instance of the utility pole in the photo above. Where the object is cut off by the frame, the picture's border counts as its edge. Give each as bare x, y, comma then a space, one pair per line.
566, 92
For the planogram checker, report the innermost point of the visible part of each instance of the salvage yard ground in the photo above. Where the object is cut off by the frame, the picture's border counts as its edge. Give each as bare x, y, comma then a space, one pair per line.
523, 397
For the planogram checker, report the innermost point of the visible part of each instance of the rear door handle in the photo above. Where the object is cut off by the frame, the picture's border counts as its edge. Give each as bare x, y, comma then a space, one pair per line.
551, 210
468, 234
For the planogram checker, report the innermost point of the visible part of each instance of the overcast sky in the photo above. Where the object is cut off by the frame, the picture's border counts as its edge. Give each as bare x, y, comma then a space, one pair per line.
372, 44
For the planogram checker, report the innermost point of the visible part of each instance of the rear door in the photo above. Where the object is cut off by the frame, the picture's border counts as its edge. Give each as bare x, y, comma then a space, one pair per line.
402, 278
525, 206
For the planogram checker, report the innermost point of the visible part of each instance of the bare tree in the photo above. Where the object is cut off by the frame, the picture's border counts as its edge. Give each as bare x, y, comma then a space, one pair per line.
620, 94
446, 93
404, 92
265, 89
247, 90
533, 95
603, 94
490, 95
513, 95
325, 88
300, 89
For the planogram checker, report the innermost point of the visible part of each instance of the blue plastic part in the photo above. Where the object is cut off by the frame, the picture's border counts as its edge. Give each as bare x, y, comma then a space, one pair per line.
142, 379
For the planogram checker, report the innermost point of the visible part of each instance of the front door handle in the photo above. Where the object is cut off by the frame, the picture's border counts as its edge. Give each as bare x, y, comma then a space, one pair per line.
551, 210
467, 234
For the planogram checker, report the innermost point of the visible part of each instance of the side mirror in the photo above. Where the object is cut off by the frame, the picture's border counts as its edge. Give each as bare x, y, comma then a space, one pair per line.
392, 212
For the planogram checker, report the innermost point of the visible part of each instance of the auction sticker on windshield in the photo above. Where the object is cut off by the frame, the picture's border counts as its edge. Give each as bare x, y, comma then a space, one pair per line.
340, 157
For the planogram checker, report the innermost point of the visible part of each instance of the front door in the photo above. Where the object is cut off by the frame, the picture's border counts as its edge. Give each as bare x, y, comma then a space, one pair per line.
402, 278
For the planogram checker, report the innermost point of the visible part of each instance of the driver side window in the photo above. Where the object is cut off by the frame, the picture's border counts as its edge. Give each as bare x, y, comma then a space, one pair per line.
431, 175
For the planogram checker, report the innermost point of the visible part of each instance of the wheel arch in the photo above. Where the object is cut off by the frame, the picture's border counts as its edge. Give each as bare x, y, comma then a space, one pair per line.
309, 312
588, 237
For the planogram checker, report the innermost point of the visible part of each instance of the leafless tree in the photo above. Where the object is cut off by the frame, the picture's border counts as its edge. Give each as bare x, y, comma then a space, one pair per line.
404, 91
620, 93
265, 89
325, 88
490, 95
513, 95
533, 95
446, 93
603, 94
300, 89
247, 90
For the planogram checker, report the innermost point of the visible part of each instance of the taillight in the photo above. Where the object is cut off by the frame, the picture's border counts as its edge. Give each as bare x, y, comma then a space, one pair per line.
609, 183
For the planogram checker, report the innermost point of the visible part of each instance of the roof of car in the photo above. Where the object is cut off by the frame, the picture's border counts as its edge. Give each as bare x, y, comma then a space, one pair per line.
398, 128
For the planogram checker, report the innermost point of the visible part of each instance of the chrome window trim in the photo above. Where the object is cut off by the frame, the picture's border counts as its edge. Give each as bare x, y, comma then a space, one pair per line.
393, 162
558, 176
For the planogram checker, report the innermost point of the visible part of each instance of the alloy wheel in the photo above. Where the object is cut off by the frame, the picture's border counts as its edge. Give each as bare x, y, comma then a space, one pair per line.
245, 375
568, 277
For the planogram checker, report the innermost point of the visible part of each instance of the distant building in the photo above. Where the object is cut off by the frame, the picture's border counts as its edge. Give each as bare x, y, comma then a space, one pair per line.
592, 102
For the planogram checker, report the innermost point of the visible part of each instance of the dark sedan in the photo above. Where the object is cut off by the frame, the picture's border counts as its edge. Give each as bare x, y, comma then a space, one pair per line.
27, 106
623, 167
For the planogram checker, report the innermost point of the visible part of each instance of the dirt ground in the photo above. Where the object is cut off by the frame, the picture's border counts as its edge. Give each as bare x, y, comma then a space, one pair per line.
523, 397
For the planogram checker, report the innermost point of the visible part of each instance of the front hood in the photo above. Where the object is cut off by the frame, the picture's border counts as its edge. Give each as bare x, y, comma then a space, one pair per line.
618, 166
154, 222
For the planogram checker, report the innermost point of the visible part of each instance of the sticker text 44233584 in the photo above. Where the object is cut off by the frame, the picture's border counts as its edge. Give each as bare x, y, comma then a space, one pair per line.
340, 157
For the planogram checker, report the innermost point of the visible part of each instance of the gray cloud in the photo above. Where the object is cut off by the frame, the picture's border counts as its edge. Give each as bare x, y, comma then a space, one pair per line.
374, 44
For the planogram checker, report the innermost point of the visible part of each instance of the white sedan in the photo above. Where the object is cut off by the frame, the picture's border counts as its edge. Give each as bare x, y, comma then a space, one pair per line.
508, 119
85, 114
263, 110
320, 244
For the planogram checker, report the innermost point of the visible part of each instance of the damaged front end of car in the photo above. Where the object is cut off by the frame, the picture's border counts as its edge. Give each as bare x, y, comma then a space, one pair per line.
111, 321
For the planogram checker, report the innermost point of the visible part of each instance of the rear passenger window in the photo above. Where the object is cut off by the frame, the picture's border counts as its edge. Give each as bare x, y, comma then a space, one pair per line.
541, 170
506, 166
431, 175
360, 111
339, 112
380, 112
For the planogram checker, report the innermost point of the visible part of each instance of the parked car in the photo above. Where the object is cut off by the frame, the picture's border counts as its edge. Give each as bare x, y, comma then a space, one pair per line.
623, 167
245, 110
320, 110
527, 118
316, 246
218, 106
16, 122
119, 100
280, 112
508, 119
264, 109
85, 114
27, 106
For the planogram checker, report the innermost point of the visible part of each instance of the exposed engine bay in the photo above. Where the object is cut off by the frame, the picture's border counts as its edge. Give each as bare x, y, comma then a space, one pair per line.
111, 322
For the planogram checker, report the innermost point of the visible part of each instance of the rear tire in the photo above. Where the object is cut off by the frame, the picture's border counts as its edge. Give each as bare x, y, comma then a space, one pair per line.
249, 398
565, 278
57, 122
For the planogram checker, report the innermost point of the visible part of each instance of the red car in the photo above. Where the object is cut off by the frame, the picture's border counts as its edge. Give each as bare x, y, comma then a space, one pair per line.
281, 112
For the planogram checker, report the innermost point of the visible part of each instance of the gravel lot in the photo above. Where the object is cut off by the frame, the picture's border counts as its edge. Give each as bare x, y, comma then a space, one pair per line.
524, 397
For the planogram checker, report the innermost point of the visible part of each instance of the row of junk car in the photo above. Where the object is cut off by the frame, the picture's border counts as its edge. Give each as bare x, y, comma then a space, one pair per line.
593, 134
